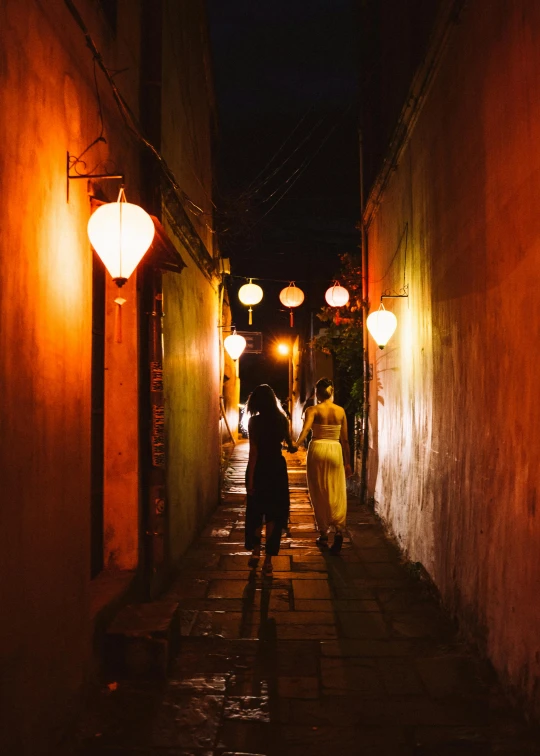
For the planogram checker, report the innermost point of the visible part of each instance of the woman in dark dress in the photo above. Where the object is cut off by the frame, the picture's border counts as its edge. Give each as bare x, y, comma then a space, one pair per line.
267, 484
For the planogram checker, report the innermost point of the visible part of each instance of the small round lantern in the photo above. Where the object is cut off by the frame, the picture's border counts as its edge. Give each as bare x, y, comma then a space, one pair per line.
250, 294
291, 296
336, 295
381, 325
234, 345
120, 233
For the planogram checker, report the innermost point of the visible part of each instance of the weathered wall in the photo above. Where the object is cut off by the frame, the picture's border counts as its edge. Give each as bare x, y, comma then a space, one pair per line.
47, 107
191, 370
231, 380
121, 430
455, 415
190, 299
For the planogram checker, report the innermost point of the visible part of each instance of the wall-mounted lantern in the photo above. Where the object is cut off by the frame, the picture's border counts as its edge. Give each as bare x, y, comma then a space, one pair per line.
381, 324
234, 345
121, 233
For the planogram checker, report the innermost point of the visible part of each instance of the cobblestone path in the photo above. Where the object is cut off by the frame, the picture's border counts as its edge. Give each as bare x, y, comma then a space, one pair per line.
333, 655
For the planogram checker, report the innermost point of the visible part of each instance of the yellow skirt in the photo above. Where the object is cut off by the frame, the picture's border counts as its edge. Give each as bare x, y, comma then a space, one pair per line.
326, 483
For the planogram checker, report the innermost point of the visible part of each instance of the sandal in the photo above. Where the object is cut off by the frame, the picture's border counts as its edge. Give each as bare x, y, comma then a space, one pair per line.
335, 548
322, 541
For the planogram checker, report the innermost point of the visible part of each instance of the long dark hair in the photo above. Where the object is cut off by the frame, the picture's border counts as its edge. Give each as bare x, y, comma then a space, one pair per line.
263, 402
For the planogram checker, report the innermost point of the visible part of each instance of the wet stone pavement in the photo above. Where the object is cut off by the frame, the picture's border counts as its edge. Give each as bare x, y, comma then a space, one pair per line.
332, 655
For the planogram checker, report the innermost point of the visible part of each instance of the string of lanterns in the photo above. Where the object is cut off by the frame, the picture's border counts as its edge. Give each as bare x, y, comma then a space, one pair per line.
290, 297
381, 324
121, 233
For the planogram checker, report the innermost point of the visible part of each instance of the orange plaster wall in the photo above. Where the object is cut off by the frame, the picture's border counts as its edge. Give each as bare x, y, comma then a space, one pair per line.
191, 302
121, 431
191, 383
47, 107
455, 416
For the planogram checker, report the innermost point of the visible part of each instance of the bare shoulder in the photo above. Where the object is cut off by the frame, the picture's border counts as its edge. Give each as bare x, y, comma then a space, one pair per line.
340, 413
310, 411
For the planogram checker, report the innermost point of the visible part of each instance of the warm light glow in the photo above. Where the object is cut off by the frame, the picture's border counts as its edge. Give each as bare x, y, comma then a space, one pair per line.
336, 295
250, 294
234, 345
381, 325
291, 296
283, 348
120, 233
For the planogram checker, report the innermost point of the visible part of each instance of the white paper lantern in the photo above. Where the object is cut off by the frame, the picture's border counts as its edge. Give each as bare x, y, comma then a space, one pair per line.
234, 345
250, 294
381, 325
291, 296
121, 233
336, 295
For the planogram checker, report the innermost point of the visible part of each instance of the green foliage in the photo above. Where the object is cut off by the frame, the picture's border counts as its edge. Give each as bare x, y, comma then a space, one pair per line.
342, 337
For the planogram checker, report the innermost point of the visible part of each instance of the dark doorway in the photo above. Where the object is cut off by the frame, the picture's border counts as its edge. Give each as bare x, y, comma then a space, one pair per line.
97, 426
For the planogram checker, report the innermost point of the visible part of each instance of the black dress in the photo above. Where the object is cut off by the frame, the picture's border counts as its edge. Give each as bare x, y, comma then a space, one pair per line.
270, 500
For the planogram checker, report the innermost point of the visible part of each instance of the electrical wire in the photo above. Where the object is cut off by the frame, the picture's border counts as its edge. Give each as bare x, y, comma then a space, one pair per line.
126, 113
302, 167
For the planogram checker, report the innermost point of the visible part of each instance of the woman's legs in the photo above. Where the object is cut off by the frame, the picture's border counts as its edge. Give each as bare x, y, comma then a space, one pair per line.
335, 548
273, 542
253, 528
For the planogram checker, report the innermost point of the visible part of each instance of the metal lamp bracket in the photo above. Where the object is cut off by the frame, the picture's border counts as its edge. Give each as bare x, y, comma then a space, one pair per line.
73, 173
403, 293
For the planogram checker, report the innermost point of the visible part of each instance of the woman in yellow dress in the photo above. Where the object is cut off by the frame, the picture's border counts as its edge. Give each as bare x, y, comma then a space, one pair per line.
327, 463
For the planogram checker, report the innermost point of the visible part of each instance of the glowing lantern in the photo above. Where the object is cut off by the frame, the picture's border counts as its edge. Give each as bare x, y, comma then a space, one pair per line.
291, 296
234, 345
120, 233
381, 325
250, 294
336, 295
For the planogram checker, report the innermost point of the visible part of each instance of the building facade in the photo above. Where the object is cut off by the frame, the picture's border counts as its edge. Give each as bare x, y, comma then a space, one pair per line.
110, 416
452, 221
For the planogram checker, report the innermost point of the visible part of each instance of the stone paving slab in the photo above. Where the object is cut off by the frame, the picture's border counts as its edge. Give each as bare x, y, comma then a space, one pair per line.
332, 655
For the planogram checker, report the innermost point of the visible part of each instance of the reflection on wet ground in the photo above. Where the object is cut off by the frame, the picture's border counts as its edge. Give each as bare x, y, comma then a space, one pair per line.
332, 655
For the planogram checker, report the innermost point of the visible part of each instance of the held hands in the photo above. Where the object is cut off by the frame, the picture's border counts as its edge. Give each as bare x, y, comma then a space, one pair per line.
292, 449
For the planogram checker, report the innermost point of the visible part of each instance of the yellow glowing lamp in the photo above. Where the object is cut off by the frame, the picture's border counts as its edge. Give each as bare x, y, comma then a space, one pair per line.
250, 294
336, 295
291, 296
381, 325
120, 233
283, 348
234, 345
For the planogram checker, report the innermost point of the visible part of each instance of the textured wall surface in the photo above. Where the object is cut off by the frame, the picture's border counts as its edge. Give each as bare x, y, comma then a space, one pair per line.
190, 300
48, 106
191, 368
455, 417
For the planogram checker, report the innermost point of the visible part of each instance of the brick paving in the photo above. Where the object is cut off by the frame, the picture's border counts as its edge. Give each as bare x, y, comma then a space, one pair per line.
332, 655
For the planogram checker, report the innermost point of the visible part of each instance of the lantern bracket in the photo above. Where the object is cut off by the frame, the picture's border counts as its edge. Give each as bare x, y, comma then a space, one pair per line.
73, 172
404, 293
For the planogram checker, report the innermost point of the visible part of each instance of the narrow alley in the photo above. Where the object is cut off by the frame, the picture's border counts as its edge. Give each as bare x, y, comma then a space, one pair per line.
339, 655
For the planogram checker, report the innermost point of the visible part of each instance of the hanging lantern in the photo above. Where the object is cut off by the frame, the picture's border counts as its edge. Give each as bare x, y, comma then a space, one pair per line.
250, 294
120, 233
291, 296
234, 345
336, 295
381, 325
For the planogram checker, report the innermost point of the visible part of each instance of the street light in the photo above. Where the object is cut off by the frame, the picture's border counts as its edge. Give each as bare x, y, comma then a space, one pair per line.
285, 350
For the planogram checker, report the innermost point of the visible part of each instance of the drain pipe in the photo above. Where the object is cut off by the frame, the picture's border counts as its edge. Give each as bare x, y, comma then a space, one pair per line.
365, 310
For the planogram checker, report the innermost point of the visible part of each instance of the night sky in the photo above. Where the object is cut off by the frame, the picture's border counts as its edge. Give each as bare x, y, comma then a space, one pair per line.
287, 191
